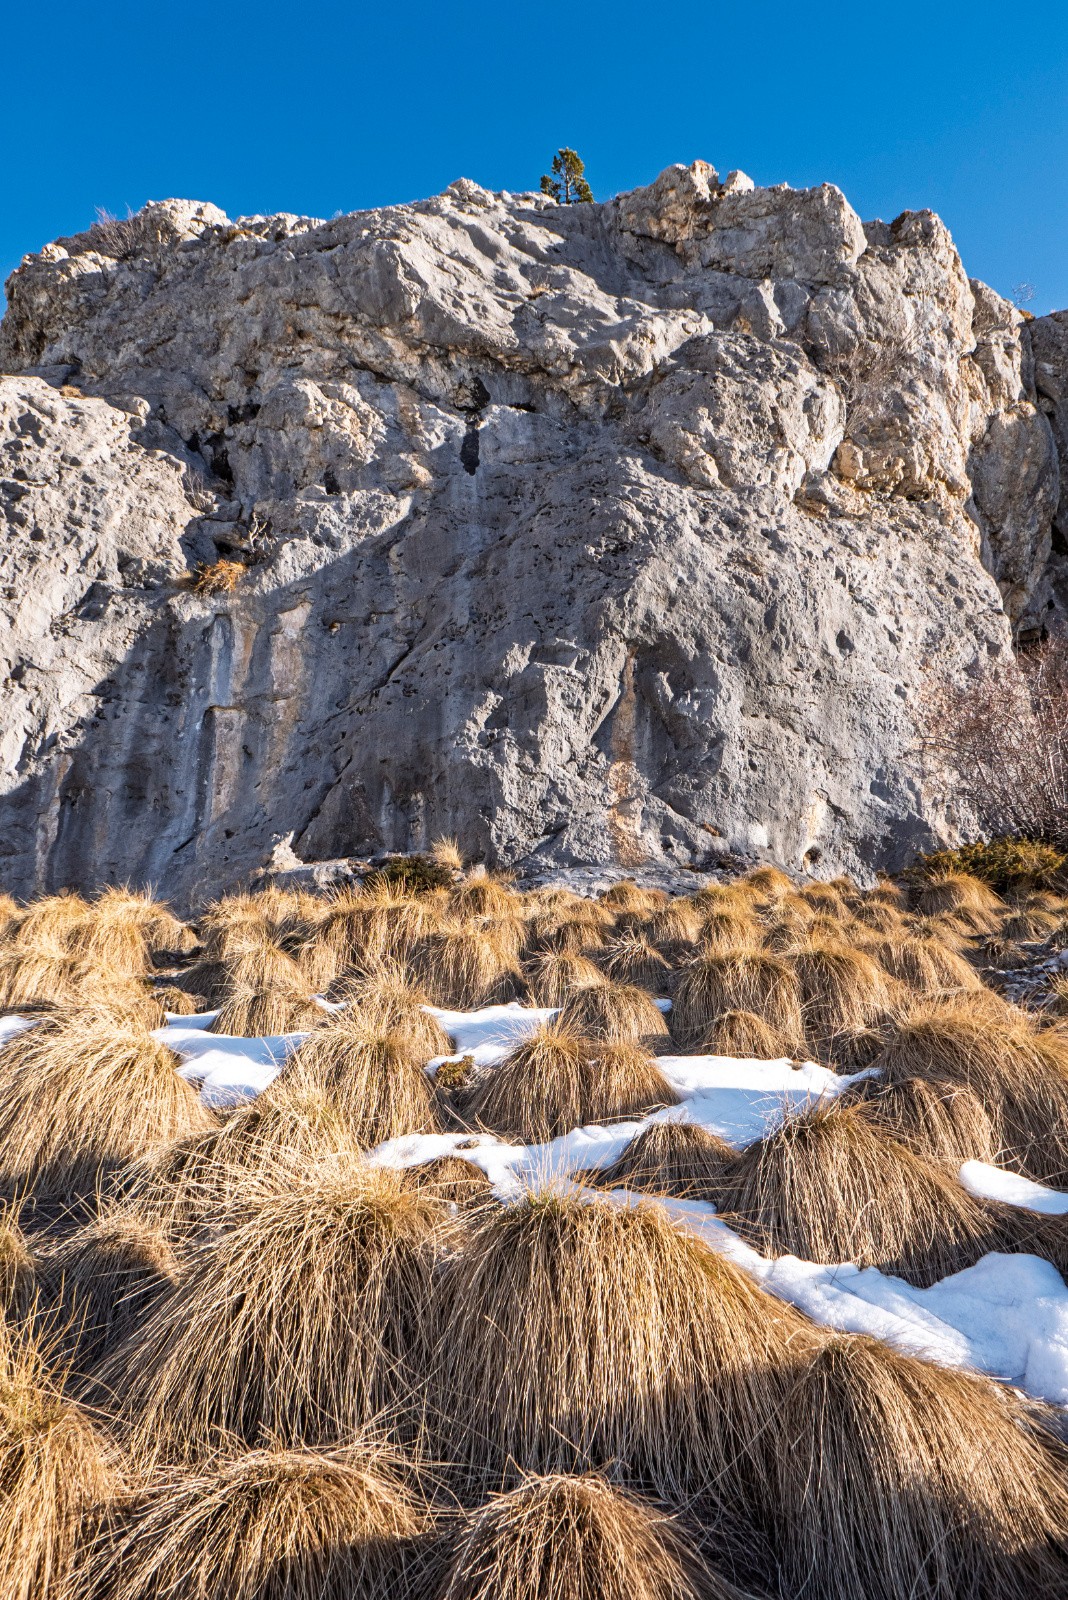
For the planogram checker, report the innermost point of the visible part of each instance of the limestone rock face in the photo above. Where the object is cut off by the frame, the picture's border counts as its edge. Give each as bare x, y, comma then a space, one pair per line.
608, 533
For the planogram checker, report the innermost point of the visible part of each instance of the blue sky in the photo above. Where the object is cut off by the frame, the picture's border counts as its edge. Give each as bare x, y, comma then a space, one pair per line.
319, 107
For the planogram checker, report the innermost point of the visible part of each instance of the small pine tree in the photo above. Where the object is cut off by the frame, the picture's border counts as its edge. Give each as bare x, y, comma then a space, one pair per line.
569, 184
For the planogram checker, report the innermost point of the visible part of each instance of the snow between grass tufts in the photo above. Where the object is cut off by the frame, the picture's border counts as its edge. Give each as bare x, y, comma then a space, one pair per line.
1006, 1316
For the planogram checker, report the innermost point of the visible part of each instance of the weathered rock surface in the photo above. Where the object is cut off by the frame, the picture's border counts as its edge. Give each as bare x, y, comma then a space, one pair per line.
622, 532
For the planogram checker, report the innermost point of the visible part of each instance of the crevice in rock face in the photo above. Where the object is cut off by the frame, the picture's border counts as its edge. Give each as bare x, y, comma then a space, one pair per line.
469, 449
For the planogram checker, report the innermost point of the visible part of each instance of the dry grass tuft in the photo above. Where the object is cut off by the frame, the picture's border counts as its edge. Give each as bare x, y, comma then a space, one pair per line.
256, 1011
104, 1279
630, 957
1020, 1073
756, 981
466, 965
568, 1538
671, 1158
831, 1186
675, 928
481, 895
971, 902
727, 929
445, 852
451, 1179
386, 993
943, 1122
82, 1092
618, 1013
374, 1073
768, 883
18, 1267
557, 1080
842, 989
1030, 924
554, 975
272, 1524
746, 1037
586, 1334
926, 966
58, 1475
892, 1478
179, 1002
305, 1315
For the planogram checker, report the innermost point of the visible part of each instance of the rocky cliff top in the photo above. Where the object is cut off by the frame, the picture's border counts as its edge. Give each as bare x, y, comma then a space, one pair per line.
622, 533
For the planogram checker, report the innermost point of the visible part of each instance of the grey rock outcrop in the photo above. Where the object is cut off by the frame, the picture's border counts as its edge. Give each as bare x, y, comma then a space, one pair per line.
607, 533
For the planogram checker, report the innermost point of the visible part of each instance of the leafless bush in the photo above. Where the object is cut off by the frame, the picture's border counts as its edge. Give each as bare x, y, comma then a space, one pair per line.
117, 237
866, 371
1004, 734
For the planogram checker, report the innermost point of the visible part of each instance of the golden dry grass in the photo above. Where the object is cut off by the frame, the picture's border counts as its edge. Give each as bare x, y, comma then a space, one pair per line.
255, 1010
555, 974
892, 1478
387, 993
103, 1279
926, 966
82, 1092
300, 1318
58, 1474
18, 1266
483, 895
268, 1524
944, 1122
1019, 1072
465, 965
450, 1179
579, 1335
830, 1186
972, 903
727, 928
618, 1013
576, 1538
557, 1080
373, 1071
745, 1035
842, 989
756, 981
630, 957
671, 1158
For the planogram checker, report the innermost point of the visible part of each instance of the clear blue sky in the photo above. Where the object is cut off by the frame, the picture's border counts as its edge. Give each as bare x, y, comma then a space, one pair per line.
321, 107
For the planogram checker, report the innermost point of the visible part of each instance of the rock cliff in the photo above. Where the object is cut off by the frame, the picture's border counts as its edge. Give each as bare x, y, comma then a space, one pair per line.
622, 532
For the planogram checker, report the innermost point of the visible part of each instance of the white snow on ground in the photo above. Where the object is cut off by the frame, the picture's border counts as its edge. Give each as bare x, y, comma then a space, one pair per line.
228, 1069
1006, 1316
9, 1026
992, 1183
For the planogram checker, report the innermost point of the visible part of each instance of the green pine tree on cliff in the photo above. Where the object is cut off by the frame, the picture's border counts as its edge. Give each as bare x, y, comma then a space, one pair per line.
569, 184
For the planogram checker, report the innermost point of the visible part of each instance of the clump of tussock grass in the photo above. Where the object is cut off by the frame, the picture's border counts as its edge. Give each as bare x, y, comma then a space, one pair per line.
768, 883
464, 965
675, 928
40, 974
972, 904
576, 930
183, 1185
944, 1122
49, 919
746, 1037
304, 1315
671, 1158
879, 916
451, 1179
580, 1334
926, 966
483, 894
729, 928
887, 893
58, 1474
82, 1092
387, 993
255, 1010
103, 1279
9, 914
558, 1079
379, 922
631, 957
269, 1524
179, 1002
445, 852
892, 1478
1030, 924
1018, 1071
627, 896
618, 1013
18, 1267
826, 898
372, 1071
829, 1185
554, 975
753, 980
576, 1538
942, 927
842, 989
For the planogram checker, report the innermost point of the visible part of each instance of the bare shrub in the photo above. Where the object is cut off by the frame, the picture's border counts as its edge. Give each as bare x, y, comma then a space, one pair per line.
1003, 734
